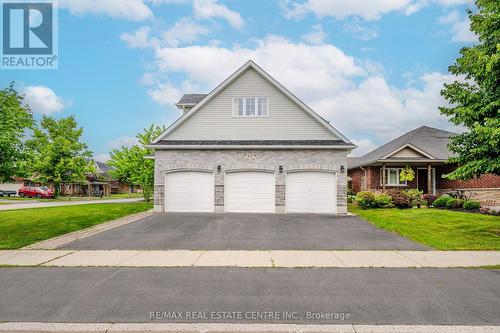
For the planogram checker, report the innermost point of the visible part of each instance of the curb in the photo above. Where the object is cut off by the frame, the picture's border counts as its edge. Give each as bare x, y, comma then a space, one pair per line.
244, 328
56, 242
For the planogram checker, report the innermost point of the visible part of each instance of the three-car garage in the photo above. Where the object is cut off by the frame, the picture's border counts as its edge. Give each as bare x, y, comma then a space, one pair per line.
251, 191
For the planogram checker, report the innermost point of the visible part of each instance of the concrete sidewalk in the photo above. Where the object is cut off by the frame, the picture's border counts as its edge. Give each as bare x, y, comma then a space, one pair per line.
36, 204
282, 259
238, 328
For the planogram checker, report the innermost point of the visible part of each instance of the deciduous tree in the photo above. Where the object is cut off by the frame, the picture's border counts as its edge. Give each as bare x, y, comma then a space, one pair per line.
475, 101
15, 120
58, 155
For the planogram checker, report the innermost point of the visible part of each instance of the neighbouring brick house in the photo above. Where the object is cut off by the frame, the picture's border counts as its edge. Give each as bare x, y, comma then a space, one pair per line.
425, 150
250, 146
96, 183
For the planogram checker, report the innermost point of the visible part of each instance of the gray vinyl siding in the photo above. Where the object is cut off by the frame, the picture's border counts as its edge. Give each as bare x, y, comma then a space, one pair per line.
285, 120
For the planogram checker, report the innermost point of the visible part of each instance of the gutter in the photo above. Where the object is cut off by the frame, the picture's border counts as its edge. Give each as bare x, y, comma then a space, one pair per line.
248, 147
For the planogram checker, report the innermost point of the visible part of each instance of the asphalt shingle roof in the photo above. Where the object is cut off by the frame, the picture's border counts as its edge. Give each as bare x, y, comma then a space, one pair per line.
254, 142
191, 98
432, 141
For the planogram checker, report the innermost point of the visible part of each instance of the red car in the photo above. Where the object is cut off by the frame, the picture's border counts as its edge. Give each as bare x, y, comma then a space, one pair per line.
35, 192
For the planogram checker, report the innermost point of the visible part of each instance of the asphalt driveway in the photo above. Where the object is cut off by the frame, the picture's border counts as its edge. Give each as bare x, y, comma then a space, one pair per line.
190, 231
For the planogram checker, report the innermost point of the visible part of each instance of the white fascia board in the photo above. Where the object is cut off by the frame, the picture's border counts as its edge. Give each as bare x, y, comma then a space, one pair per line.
249, 147
409, 145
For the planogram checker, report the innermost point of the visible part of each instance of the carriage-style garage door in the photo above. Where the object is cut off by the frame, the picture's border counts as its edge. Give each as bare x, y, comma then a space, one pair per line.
189, 191
250, 192
311, 192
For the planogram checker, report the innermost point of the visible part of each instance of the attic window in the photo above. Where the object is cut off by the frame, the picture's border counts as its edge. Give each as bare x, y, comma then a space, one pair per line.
250, 107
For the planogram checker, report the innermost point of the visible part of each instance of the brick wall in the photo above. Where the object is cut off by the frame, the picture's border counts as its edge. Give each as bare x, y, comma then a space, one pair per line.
485, 181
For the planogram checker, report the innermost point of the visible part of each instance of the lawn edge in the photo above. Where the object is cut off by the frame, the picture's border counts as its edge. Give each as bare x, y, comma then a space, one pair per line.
61, 240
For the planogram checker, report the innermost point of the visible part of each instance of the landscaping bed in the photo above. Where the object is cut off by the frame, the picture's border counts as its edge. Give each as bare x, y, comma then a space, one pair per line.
438, 228
19, 228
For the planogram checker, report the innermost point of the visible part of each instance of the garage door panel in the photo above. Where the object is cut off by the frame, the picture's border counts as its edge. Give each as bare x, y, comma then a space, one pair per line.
189, 191
311, 192
250, 192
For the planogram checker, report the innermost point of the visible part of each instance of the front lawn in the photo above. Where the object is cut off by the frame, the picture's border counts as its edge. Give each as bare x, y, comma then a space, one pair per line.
440, 229
19, 228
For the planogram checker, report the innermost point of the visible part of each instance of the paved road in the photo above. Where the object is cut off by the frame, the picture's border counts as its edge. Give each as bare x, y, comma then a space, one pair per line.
188, 231
37, 204
369, 296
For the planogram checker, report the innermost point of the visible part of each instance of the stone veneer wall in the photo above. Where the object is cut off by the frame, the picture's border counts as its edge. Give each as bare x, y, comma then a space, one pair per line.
271, 159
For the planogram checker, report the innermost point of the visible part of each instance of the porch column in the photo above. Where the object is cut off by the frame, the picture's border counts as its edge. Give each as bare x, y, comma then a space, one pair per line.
89, 190
383, 177
429, 179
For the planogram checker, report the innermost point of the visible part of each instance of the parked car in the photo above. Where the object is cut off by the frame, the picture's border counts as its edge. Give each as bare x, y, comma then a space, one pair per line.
36, 192
7, 193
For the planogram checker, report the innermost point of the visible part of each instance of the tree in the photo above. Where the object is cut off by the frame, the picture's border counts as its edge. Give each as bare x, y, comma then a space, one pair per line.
131, 165
58, 156
15, 120
475, 101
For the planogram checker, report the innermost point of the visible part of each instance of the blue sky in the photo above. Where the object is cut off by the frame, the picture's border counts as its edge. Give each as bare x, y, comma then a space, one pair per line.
374, 68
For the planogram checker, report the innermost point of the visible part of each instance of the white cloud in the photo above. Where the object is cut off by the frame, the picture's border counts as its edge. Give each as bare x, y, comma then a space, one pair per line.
134, 10
184, 31
316, 36
123, 141
369, 10
353, 94
137, 39
43, 100
364, 146
104, 158
206, 9
459, 27
359, 31
165, 94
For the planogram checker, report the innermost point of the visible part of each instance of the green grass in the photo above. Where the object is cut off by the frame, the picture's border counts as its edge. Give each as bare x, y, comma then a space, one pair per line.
16, 198
125, 195
440, 229
19, 228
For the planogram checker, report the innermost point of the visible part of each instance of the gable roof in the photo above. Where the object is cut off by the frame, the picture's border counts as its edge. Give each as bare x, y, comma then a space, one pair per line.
102, 167
431, 143
269, 78
190, 99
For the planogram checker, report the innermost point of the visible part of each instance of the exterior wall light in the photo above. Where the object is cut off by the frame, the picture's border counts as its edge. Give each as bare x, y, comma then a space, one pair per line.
342, 169
219, 168
280, 168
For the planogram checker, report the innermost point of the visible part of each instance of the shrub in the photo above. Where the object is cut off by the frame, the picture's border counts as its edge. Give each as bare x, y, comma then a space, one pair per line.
472, 205
455, 203
365, 199
429, 198
383, 201
400, 199
351, 198
442, 201
415, 196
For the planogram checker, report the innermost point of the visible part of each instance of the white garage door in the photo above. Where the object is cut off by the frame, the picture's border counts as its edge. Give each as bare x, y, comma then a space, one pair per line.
189, 191
311, 192
249, 192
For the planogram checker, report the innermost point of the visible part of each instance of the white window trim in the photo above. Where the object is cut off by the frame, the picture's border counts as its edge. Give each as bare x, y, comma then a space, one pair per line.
398, 171
256, 101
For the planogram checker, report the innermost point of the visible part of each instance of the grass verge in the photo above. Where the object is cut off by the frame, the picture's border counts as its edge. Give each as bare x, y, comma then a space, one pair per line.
19, 228
440, 229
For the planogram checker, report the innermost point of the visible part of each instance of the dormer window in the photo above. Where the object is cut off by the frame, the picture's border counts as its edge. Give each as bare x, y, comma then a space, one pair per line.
250, 107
